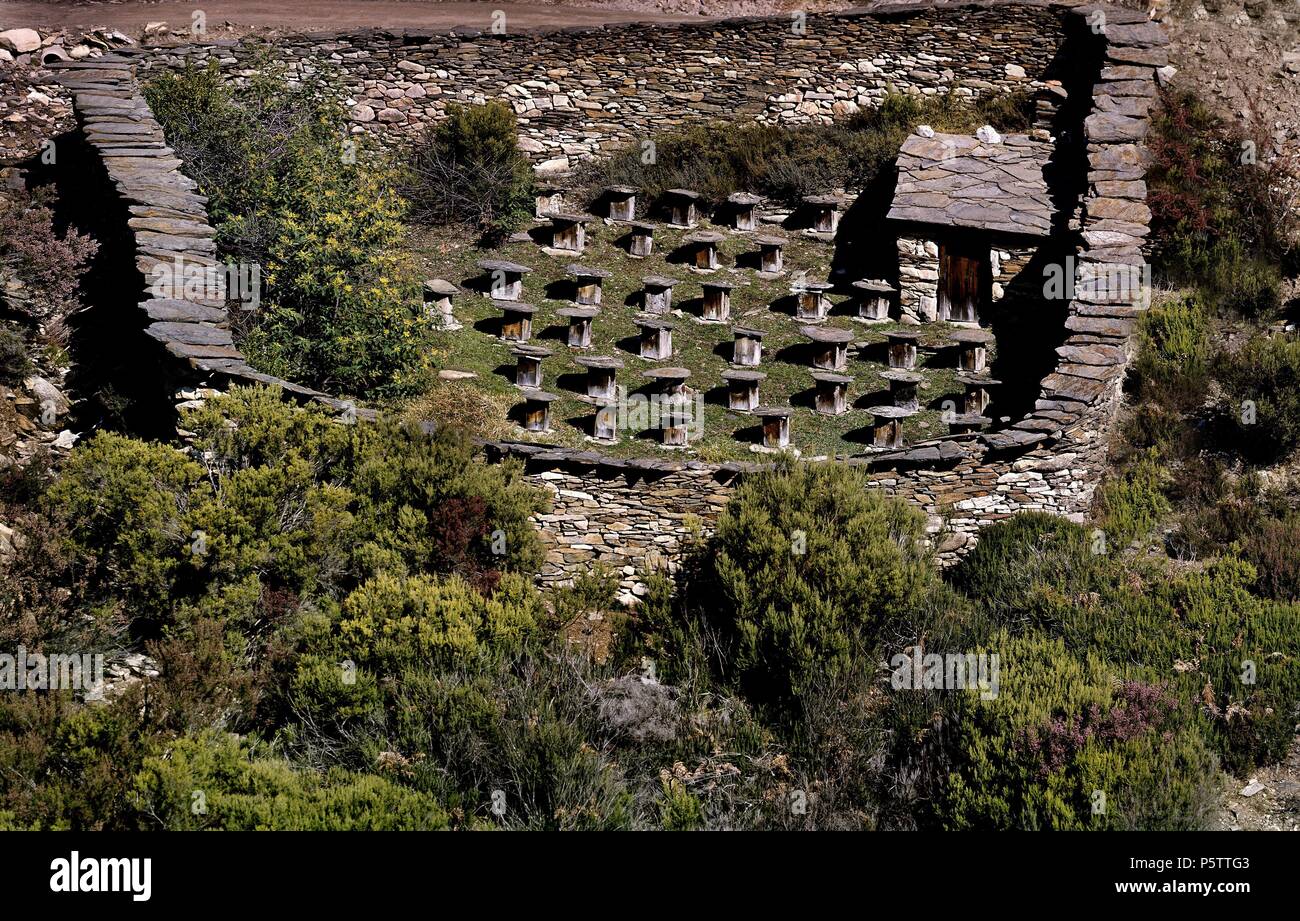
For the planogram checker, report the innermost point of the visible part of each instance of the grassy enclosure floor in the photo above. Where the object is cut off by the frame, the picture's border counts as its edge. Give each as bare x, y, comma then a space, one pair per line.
704, 348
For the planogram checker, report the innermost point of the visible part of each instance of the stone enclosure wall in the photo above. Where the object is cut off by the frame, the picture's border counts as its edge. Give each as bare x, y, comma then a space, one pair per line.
581, 92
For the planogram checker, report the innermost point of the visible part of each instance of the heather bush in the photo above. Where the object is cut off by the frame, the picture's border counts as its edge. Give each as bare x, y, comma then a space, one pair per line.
15, 361
48, 266
1066, 745
1218, 221
1022, 561
786, 164
1173, 365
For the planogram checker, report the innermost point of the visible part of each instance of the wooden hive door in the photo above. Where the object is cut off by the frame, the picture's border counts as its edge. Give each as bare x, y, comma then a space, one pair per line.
963, 277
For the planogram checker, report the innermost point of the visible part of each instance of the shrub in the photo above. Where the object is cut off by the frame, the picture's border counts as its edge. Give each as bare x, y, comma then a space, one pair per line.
1131, 503
808, 562
1062, 738
48, 266
433, 507
1218, 220
1020, 559
1262, 385
214, 781
467, 168
341, 310
15, 364
127, 502
786, 164
391, 622
1174, 363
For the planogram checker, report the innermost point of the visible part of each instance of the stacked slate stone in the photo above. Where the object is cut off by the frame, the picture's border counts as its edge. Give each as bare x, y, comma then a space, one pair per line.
1114, 225
169, 224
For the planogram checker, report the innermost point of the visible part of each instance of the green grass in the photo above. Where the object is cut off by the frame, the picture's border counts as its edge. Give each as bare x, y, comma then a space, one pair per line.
475, 348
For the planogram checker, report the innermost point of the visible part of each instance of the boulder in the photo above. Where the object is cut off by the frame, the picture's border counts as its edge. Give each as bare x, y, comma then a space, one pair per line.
20, 41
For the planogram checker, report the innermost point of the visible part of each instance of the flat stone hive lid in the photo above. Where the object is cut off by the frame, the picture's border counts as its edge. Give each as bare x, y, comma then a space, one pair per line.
774, 412
744, 198
658, 281
577, 313
570, 217
743, 375
621, 189
583, 271
903, 335
959, 180
683, 193
879, 286
890, 412
968, 419
830, 377
771, 241
602, 362
823, 200
748, 332
644, 226
725, 285
897, 375
440, 286
667, 374
707, 236
501, 265
806, 285
977, 380
531, 351
826, 334
515, 307
539, 396
976, 336
650, 321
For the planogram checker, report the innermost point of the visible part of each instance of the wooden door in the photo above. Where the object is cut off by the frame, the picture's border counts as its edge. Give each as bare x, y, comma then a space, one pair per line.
963, 274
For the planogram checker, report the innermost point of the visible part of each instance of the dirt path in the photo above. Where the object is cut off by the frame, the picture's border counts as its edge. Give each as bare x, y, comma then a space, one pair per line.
131, 16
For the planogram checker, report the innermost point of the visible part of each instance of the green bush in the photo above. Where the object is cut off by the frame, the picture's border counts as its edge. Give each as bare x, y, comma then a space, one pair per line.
786, 164
317, 209
1262, 385
1132, 502
1021, 559
1065, 746
1173, 366
467, 168
391, 622
212, 781
808, 562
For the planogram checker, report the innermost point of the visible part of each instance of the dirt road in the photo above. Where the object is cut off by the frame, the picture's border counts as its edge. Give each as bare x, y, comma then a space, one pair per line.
324, 15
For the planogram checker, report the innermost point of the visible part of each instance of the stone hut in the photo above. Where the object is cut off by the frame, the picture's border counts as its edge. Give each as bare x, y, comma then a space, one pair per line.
968, 213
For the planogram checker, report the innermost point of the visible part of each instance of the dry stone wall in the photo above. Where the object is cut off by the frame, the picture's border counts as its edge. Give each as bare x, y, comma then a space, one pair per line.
636, 513
639, 80
580, 92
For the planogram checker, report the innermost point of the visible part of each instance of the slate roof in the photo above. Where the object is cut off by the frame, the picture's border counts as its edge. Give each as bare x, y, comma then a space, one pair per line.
958, 180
